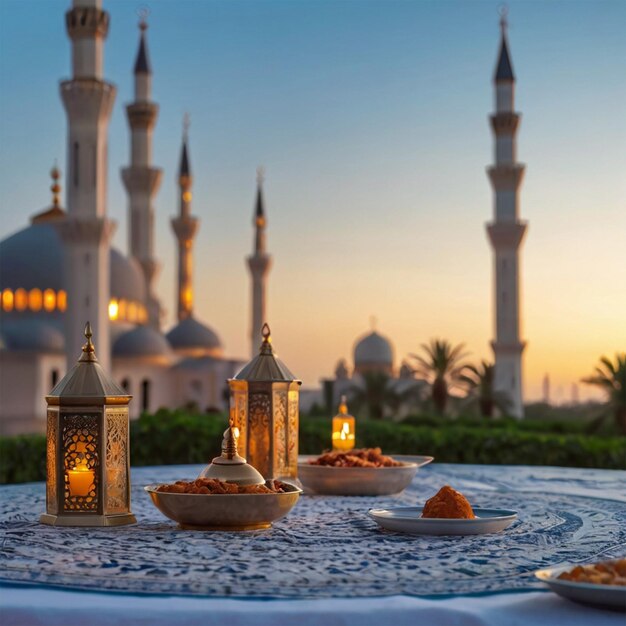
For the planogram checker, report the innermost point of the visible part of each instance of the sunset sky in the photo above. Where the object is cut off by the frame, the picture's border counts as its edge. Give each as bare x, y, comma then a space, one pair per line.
370, 118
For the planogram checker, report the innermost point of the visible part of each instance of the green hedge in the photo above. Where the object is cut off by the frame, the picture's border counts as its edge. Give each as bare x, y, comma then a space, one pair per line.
174, 437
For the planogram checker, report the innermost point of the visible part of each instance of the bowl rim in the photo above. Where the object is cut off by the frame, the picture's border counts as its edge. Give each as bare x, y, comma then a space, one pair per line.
403, 464
152, 488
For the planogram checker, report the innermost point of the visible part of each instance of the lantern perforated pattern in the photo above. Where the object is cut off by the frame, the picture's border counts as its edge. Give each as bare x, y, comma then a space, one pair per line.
51, 459
116, 465
79, 440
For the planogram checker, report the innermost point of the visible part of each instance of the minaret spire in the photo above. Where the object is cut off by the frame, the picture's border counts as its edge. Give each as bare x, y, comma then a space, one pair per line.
141, 179
86, 232
259, 264
185, 227
506, 231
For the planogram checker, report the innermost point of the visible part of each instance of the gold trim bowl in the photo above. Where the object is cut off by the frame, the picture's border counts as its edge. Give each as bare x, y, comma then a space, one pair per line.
359, 481
242, 511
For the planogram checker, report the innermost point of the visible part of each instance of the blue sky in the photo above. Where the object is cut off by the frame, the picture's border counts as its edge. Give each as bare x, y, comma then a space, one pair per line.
370, 118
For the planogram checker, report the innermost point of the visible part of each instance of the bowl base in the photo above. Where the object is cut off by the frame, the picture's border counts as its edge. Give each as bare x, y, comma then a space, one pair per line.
260, 526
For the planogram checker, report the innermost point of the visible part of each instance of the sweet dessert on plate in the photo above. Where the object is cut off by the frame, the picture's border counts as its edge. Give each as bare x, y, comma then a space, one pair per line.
448, 503
600, 584
603, 573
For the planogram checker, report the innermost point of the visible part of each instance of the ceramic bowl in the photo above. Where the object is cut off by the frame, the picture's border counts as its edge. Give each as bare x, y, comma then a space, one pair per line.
196, 511
359, 481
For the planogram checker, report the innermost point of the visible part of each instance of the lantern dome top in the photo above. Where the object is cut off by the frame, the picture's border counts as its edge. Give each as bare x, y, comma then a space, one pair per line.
87, 380
266, 366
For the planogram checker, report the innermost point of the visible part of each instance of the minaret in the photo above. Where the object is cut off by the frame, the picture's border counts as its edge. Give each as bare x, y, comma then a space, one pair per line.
185, 227
506, 232
259, 263
86, 233
141, 179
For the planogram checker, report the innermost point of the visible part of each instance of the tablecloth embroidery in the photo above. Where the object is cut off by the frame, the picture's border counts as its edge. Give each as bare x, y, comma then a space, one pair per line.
327, 546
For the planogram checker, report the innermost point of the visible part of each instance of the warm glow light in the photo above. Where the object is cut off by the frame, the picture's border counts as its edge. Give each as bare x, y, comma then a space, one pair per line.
113, 309
21, 299
187, 196
62, 300
121, 309
7, 300
80, 479
35, 299
343, 432
49, 300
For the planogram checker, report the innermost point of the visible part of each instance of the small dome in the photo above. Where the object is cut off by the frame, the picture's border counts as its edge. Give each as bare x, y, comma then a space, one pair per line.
373, 349
34, 335
33, 258
142, 342
192, 338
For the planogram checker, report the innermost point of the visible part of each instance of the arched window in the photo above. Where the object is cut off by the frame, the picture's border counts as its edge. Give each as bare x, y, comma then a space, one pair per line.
35, 299
49, 300
21, 299
76, 160
7, 300
145, 394
126, 385
62, 300
54, 377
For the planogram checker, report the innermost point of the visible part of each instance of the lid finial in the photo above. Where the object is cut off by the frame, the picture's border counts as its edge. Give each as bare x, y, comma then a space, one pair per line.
89, 350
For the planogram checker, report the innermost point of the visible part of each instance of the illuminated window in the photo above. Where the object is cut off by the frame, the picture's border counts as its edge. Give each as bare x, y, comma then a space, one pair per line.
121, 309
132, 312
187, 196
113, 309
7, 300
35, 299
49, 300
62, 300
21, 299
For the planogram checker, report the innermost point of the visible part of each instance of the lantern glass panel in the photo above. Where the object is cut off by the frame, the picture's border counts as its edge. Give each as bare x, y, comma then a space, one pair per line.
259, 430
293, 412
80, 439
280, 426
51, 462
239, 412
117, 480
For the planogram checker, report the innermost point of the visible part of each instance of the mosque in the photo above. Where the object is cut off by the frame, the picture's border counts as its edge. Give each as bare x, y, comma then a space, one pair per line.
61, 270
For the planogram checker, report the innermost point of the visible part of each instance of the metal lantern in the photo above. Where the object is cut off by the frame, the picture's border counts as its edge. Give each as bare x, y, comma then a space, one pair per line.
264, 398
87, 452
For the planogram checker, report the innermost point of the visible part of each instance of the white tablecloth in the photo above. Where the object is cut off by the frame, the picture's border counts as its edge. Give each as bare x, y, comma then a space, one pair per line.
32, 607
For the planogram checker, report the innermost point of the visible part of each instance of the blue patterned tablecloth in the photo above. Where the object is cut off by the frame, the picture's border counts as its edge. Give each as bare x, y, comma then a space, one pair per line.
327, 546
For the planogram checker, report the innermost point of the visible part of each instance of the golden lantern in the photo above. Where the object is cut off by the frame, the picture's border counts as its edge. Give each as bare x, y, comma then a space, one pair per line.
343, 428
264, 406
87, 453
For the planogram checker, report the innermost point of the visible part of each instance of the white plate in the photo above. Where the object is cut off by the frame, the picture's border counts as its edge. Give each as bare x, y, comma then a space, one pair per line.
409, 520
359, 481
605, 596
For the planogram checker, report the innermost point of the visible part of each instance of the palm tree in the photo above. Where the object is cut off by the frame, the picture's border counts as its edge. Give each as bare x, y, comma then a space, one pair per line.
441, 366
611, 377
480, 381
375, 394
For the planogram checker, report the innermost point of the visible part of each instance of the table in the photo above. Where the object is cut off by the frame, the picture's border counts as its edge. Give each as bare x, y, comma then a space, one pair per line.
563, 513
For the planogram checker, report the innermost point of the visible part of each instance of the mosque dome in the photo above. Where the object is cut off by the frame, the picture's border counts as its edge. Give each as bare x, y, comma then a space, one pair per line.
373, 352
142, 342
31, 280
192, 338
33, 335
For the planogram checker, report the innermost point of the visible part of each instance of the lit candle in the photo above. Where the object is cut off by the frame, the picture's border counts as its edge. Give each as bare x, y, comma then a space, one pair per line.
343, 428
80, 479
